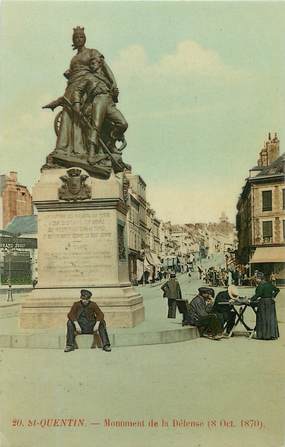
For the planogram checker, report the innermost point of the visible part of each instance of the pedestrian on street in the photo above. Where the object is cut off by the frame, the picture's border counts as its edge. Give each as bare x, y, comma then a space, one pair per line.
171, 290
10, 293
200, 270
264, 300
85, 317
201, 314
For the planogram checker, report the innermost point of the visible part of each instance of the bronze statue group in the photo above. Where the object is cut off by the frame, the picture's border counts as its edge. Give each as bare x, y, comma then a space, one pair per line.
89, 125
215, 317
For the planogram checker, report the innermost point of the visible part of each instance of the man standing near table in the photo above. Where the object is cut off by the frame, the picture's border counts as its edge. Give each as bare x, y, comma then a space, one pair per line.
171, 290
225, 312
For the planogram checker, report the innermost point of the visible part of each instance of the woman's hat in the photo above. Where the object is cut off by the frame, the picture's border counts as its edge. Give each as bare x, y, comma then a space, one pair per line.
233, 292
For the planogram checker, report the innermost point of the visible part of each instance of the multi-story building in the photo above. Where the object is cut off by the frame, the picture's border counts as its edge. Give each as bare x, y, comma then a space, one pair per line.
143, 232
15, 199
136, 224
261, 213
138, 188
152, 248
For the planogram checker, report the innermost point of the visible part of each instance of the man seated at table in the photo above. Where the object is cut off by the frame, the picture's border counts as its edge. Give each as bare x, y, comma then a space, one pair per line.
225, 312
200, 314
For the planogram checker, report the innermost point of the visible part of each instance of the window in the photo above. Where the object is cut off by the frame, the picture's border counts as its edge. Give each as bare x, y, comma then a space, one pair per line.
266, 200
284, 230
267, 231
283, 197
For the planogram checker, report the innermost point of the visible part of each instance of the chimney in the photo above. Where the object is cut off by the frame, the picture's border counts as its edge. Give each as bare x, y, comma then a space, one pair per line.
273, 149
13, 176
270, 151
263, 157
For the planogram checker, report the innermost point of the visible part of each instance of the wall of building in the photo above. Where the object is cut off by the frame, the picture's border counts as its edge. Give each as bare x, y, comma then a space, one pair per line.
276, 215
16, 200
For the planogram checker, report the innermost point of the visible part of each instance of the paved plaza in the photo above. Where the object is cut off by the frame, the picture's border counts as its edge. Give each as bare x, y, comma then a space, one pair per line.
198, 393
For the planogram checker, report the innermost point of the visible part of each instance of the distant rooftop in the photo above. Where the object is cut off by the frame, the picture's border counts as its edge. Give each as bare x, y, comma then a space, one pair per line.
23, 225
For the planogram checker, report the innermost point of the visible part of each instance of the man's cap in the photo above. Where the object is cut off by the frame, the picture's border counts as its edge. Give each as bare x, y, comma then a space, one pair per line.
206, 290
212, 292
172, 275
233, 291
86, 294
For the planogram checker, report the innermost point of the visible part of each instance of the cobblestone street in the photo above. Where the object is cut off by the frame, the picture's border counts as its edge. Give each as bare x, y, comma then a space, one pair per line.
229, 392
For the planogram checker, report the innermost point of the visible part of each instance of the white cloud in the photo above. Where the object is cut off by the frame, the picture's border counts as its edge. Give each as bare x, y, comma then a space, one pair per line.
189, 58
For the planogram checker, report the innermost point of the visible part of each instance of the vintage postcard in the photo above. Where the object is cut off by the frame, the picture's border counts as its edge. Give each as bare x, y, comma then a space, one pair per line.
142, 224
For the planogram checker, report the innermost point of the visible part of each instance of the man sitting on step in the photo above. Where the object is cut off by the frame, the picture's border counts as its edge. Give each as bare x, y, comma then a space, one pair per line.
85, 317
200, 313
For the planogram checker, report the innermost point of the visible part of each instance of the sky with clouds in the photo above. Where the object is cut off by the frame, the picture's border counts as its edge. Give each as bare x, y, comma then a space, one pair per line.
201, 84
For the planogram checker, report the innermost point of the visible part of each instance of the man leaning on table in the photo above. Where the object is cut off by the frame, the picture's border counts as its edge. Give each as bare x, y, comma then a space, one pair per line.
225, 312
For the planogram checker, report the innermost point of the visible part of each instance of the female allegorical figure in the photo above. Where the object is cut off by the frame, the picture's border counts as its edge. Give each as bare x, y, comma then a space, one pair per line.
71, 139
264, 299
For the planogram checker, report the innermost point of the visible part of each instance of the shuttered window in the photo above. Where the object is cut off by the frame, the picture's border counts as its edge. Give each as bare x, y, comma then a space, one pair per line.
267, 229
266, 200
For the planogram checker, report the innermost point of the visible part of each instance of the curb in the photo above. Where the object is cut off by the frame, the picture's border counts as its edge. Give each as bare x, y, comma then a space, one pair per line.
49, 341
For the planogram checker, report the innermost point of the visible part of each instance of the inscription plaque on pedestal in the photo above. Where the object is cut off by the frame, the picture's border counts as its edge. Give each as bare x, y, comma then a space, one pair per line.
78, 247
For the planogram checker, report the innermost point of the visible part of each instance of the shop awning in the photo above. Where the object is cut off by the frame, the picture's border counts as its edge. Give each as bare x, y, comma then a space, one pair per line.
152, 259
263, 255
156, 259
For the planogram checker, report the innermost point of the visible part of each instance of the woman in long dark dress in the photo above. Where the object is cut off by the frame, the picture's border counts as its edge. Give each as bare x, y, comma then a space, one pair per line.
266, 318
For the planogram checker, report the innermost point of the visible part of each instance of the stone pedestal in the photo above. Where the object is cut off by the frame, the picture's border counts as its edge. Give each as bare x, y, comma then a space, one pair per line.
82, 243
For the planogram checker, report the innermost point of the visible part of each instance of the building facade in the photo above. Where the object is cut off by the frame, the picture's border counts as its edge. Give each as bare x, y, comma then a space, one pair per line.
136, 225
143, 233
261, 213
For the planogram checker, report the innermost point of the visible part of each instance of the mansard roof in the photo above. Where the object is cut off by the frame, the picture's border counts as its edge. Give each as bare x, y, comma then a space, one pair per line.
275, 168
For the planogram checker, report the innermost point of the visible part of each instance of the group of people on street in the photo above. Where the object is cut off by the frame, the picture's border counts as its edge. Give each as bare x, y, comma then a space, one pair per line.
215, 317
216, 277
221, 277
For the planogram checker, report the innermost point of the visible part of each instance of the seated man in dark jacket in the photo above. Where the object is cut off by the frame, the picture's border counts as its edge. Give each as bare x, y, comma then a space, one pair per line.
200, 314
85, 317
225, 312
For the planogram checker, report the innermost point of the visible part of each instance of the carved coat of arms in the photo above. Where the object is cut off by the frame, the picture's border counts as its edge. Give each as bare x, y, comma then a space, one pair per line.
74, 186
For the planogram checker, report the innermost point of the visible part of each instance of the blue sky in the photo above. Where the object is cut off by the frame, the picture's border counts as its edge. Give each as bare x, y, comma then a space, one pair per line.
200, 85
